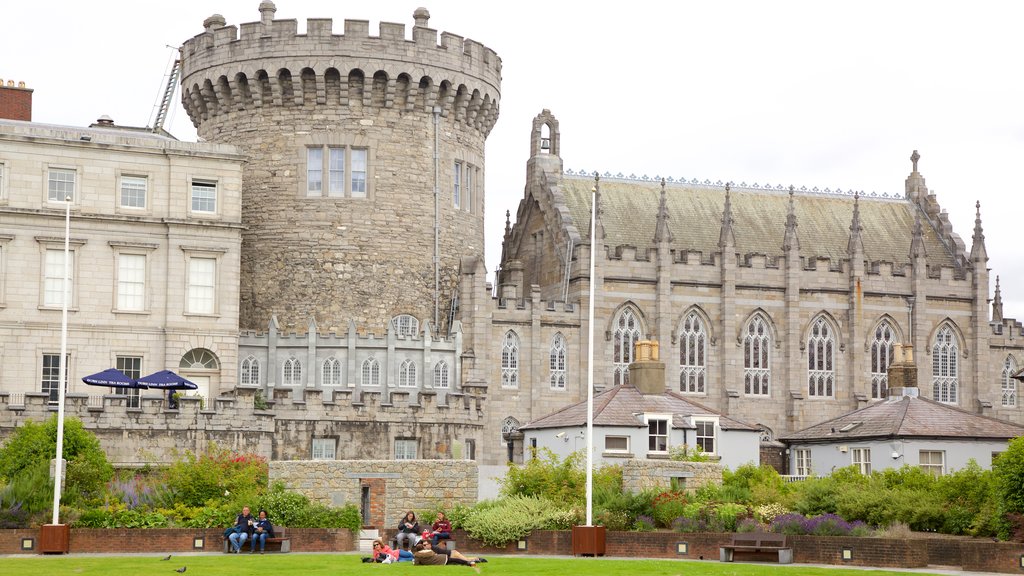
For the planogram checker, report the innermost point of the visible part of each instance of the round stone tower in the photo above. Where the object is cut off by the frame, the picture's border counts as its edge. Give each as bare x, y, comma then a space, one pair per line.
364, 186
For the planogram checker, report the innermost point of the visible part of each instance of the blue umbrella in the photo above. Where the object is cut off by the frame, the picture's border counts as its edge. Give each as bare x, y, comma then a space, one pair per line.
166, 380
113, 378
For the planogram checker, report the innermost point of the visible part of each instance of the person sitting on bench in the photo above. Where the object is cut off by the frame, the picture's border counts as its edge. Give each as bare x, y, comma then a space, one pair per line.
408, 531
261, 530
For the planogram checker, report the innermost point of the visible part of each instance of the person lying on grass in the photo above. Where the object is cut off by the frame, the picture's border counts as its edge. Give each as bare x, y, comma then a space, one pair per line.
426, 554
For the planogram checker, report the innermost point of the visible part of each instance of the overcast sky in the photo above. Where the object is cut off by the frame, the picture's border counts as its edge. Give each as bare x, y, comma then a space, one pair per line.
824, 94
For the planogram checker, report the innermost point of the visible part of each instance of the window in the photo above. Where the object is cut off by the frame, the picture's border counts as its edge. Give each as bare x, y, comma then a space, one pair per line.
336, 171
314, 171
470, 449
370, 372
821, 353
509, 426
881, 357
467, 191
405, 325
757, 373
291, 373
358, 182
204, 197
344, 167
1009, 384
944, 366
133, 192
705, 435
457, 186
405, 449
3, 183
131, 282
51, 376
510, 361
933, 462
324, 448
624, 339
250, 372
60, 184
862, 460
132, 367
53, 278
331, 372
616, 444
803, 461
556, 362
692, 354
202, 285
407, 374
441, 374
657, 435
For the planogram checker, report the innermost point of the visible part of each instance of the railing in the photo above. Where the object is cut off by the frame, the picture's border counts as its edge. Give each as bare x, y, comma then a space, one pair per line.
95, 401
787, 478
16, 399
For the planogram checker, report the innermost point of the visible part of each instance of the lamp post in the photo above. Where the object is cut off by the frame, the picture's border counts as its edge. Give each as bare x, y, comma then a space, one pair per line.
58, 475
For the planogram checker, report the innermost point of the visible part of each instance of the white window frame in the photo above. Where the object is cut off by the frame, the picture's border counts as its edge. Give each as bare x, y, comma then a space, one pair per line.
821, 360
881, 358
666, 421
405, 325
132, 185
861, 458
700, 434
358, 180
131, 294
369, 372
693, 346
249, 373
945, 366
1008, 383
467, 190
457, 184
131, 365
315, 171
50, 375
628, 331
757, 357
324, 449
802, 458
407, 374
201, 285
332, 372
931, 467
206, 202
556, 362
441, 374
335, 170
53, 290
406, 448
59, 186
611, 450
291, 372
193, 253
510, 360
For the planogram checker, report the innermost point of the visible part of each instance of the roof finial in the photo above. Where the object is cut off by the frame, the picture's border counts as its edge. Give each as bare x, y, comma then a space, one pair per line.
662, 232
978, 251
917, 247
727, 237
997, 304
508, 222
914, 158
790, 240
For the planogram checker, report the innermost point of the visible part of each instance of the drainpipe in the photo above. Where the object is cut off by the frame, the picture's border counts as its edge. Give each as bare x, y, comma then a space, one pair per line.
437, 214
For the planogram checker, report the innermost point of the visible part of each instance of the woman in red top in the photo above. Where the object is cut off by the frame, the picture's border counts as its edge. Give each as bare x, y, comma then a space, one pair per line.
441, 528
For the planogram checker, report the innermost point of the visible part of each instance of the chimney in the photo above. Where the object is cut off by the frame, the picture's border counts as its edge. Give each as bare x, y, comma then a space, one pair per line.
647, 373
903, 373
15, 102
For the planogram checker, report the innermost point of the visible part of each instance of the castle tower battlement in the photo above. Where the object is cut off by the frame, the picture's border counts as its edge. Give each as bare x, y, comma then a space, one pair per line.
365, 182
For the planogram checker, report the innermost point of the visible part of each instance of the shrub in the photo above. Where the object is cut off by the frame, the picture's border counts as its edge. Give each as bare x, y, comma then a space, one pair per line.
667, 506
217, 473
496, 523
685, 453
768, 512
753, 484
643, 523
727, 516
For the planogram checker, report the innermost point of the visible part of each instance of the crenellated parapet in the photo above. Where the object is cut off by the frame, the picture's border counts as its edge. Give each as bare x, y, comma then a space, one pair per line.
267, 64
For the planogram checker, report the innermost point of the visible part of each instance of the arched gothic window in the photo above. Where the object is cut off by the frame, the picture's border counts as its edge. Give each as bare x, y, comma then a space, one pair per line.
510, 360
945, 371
627, 333
821, 360
757, 372
331, 372
1009, 384
556, 362
881, 357
407, 374
509, 426
291, 374
441, 374
693, 343
250, 372
405, 325
370, 373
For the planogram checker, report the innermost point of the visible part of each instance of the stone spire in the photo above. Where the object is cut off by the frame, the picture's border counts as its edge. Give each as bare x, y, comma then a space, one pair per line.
662, 232
727, 237
997, 305
916, 189
856, 243
508, 223
597, 204
917, 248
790, 241
979, 254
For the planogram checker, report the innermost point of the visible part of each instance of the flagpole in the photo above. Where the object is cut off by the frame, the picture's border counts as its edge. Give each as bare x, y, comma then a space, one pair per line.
63, 373
590, 357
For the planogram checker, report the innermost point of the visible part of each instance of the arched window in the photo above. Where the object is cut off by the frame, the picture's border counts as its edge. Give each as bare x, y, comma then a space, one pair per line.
945, 372
627, 333
405, 325
693, 342
881, 357
370, 373
509, 426
821, 360
291, 374
332, 372
250, 372
441, 374
407, 374
1009, 384
510, 361
199, 359
556, 362
757, 372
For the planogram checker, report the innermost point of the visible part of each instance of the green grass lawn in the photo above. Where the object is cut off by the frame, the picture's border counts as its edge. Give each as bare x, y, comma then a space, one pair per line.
350, 565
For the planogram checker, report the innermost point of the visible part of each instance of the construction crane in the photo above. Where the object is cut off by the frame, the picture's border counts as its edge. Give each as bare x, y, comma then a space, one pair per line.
165, 102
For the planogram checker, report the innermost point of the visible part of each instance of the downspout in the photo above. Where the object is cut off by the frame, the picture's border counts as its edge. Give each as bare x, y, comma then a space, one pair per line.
437, 226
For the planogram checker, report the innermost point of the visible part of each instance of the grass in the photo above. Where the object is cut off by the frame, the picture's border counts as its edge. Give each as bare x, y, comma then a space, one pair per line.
350, 565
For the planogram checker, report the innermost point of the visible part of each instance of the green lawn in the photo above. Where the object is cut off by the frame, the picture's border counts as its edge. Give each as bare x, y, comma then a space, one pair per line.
350, 565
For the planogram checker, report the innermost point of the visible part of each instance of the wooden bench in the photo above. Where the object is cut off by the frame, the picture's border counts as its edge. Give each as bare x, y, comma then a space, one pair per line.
281, 541
757, 542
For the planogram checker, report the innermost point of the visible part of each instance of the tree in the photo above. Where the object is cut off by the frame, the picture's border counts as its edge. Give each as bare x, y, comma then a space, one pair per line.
1009, 471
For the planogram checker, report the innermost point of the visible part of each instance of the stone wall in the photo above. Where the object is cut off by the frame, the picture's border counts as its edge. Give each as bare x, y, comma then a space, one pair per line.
391, 487
640, 475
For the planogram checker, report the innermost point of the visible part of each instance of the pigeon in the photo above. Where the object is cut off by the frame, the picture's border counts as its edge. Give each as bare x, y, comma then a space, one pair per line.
181, 570
167, 558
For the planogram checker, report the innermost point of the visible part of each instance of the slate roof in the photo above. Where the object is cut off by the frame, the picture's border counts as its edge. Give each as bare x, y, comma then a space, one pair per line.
630, 208
907, 417
625, 406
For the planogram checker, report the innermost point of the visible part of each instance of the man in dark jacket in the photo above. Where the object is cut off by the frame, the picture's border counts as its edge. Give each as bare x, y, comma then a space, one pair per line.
242, 530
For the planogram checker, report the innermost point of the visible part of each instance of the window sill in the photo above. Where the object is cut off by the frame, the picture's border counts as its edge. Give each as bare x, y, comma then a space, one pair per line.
202, 314
132, 312
618, 455
57, 308
657, 456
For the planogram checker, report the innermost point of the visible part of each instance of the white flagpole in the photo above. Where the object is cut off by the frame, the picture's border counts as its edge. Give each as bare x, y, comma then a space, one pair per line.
590, 358
63, 373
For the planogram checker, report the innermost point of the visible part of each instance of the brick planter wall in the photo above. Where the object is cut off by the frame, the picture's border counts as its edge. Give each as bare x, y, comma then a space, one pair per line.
85, 540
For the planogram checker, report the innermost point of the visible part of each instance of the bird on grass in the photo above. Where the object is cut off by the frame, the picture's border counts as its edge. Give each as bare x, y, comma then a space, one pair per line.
181, 570
167, 558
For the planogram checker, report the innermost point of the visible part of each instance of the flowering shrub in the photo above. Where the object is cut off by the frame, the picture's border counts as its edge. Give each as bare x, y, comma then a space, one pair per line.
498, 522
822, 525
643, 523
768, 512
668, 506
